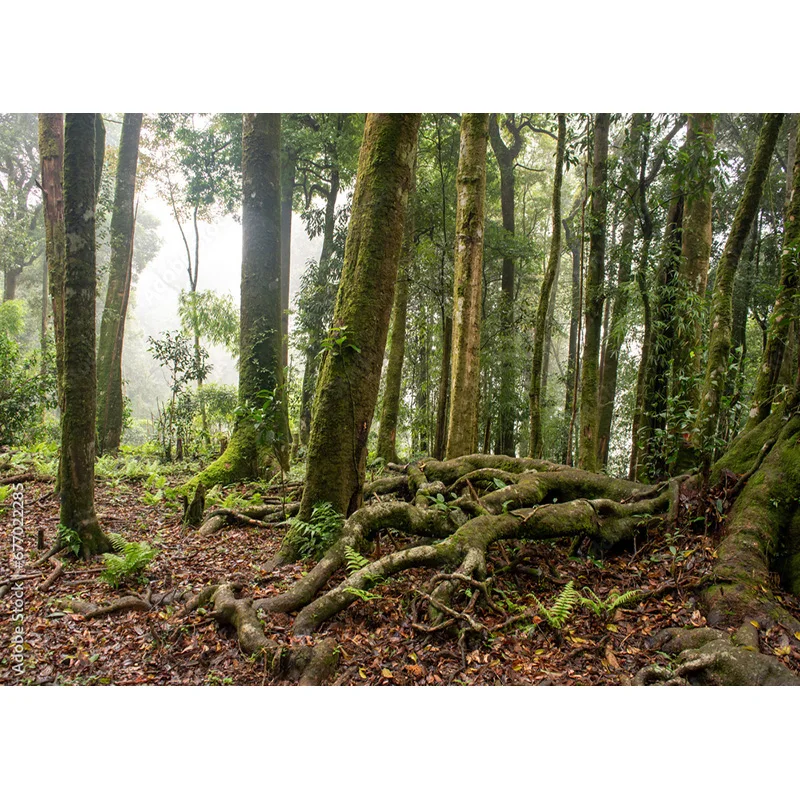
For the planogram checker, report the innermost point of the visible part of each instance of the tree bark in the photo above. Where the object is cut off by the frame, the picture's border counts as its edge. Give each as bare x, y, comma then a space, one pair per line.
593, 311
535, 447
80, 279
260, 332
112, 328
690, 288
288, 169
616, 333
506, 156
390, 409
722, 304
784, 313
51, 155
462, 428
350, 373
443, 400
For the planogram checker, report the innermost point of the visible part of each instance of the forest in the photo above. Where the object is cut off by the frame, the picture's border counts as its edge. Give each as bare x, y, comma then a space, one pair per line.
400, 399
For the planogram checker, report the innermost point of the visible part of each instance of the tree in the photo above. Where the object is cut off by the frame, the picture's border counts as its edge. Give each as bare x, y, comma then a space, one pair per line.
112, 328
535, 447
80, 385
390, 410
722, 304
784, 312
353, 351
256, 437
462, 428
593, 305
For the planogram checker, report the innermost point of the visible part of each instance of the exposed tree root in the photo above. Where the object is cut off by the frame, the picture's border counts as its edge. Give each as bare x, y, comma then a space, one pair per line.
91, 610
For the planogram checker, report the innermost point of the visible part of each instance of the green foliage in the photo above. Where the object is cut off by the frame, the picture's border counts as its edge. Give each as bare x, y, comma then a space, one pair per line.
128, 562
70, 538
355, 561
361, 594
312, 538
615, 600
25, 389
560, 611
214, 317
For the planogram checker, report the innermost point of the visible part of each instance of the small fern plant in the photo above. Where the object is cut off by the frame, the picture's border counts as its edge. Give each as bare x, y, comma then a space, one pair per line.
557, 614
312, 538
614, 600
129, 560
355, 561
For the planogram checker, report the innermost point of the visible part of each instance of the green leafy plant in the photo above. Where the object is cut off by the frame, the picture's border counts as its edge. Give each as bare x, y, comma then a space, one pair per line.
312, 538
614, 600
361, 594
561, 609
129, 560
355, 561
70, 538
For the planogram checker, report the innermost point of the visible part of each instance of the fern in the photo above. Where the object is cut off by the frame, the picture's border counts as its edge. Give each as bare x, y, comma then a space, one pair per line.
613, 601
129, 560
314, 537
561, 610
361, 594
355, 561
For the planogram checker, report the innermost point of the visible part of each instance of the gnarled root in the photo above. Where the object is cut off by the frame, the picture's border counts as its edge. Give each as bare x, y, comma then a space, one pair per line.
707, 657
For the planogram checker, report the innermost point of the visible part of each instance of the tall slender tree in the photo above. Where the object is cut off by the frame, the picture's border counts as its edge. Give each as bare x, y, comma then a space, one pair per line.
80, 386
120, 271
347, 388
722, 304
593, 305
390, 409
257, 437
462, 429
545, 297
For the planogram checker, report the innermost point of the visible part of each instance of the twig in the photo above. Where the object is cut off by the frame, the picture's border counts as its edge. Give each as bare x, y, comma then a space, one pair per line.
54, 575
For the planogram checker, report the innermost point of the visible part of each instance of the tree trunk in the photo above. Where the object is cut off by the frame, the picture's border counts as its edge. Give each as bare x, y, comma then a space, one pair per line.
784, 313
390, 409
350, 373
78, 418
11, 274
288, 168
535, 447
442, 403
574, 243
51, 155
615, 336
722, 304
593, 311
315, 337
690, 289
462, 428
260, 337
112, 328
506, 156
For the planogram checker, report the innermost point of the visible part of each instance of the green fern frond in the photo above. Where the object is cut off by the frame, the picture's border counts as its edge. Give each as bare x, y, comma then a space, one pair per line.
313, 537
561, 610
129, 561
355, 561
361, 594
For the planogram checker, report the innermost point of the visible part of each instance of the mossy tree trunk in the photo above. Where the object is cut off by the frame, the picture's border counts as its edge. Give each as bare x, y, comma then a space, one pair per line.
112, 328
310, 369
690, 288
80, 283
535, 447
784, 313
390, 409
288, 170
462, 428
632, 158
506, 156
443, 399
722, 304
593, 305
51, 155
347, 388
260, 329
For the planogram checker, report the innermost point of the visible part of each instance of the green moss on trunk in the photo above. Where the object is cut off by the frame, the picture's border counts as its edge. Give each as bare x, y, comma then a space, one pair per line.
78, 418
347, 388
112, 328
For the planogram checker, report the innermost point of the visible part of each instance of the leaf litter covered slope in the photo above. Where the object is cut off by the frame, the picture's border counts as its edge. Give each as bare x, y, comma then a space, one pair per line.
377, 639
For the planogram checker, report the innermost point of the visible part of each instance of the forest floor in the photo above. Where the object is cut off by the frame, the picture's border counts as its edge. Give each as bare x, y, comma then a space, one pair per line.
378, 645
